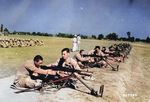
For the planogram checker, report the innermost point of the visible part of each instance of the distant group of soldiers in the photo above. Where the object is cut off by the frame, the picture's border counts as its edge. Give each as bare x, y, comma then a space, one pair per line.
120, 50
95, 57
17, 42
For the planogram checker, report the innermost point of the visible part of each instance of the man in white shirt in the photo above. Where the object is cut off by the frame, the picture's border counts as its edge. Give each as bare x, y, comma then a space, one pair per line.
78, 42
74, 43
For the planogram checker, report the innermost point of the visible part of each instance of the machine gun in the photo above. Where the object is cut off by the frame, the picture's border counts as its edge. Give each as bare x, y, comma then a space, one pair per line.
66, 69
47, 78
103, 58
94, 56
93, 92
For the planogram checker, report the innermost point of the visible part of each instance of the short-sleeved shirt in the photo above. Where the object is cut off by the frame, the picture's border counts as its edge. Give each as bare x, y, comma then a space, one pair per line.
74, 40
26, 70
92, 52
78, 39
112, 48
78, 57
68, 62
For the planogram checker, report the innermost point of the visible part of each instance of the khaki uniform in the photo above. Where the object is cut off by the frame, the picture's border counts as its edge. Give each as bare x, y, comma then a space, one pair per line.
91, 52
96, 59
79, 58
24, 73
68, 62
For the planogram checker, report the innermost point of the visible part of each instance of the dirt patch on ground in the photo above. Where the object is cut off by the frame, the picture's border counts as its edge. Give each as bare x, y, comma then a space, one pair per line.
130, 83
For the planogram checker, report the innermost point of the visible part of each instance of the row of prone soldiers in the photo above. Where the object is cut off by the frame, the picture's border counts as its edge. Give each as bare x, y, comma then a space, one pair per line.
17, 42
101, 58
31, 70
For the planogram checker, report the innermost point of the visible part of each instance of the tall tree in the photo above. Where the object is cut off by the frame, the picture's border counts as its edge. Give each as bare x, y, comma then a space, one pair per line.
115, 36
1, 27
14, 32
128, 33
39, 34
6, 32
84, 36
148, 40
100, 36
93, 36
137, 39
112, 36
132, 39
33, 33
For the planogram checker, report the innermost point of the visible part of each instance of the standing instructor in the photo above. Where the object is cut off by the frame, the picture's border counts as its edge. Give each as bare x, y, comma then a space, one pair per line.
74, 43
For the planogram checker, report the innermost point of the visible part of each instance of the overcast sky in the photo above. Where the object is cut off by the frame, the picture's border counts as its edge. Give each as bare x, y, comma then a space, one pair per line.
87, 17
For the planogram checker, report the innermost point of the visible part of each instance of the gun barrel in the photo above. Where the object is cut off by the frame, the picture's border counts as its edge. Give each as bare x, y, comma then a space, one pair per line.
93, 56
64, 69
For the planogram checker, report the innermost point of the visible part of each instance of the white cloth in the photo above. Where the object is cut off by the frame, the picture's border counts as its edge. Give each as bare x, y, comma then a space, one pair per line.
74, 44
78, 42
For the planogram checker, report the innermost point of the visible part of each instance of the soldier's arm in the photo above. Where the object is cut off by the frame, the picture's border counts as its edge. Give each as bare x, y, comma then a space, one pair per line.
45, 72
102, 54
32, 67
76, 66
53, 64
81, 59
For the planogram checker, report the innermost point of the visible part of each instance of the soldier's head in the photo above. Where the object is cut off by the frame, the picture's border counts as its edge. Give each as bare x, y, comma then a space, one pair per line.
65, 53
104, 49
75, 35
97, 48
38, 60
81, 52
111, 46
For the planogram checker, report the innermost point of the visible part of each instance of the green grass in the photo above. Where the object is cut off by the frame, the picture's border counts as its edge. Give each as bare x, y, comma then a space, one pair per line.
12, 58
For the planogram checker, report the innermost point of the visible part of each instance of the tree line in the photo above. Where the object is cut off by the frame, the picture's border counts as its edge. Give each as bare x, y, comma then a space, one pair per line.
110, 36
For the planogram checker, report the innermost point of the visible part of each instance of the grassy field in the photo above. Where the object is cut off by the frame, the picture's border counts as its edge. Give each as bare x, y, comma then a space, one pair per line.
12, 58
132, 78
